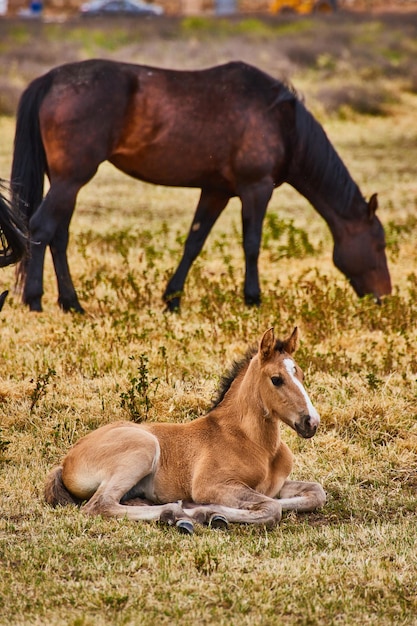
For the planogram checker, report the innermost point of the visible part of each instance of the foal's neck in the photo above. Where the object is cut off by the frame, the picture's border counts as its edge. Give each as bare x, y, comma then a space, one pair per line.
254, 418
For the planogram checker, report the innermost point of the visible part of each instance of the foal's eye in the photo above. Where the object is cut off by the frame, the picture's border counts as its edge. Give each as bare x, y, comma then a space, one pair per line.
277, 381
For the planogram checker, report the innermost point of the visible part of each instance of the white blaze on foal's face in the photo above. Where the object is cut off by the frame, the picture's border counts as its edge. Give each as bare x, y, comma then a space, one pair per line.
291, 369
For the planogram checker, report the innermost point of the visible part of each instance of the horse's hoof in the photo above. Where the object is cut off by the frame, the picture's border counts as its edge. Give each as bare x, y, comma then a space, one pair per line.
70, 306
185, 526
35, 307
252, 300
218, 522
3, 297
173, 306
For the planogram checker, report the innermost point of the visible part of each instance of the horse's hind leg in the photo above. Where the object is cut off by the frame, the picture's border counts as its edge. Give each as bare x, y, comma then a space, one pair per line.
50, 224
67, 297
209, 207
301, 496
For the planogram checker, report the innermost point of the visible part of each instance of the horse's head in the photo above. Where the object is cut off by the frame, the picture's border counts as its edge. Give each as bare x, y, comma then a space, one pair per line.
359, 253
282, 390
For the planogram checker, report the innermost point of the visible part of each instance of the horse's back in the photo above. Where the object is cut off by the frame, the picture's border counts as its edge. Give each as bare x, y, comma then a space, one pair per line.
220, 120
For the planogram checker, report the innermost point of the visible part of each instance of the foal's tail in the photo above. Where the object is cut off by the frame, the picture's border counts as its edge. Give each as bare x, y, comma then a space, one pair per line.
55, 491
13, 239
29, 164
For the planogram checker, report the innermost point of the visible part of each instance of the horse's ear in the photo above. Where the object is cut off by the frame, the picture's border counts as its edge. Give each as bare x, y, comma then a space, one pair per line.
267, 345
291, 344
372, 205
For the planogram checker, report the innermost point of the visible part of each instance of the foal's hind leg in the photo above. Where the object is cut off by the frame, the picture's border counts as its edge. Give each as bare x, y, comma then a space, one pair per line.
301, 496
255, 198
117, 464
209, 207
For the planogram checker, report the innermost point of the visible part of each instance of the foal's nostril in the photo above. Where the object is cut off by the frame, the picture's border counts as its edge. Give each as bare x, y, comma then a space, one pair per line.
306, 427
309, 425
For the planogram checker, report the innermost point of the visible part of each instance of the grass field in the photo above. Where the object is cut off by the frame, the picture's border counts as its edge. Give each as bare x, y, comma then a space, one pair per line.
354, 561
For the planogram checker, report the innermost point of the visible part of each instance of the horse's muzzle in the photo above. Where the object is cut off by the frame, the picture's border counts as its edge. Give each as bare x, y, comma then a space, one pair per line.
307, 427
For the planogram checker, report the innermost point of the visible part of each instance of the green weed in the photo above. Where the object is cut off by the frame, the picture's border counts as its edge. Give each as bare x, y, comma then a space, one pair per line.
137, 400
41, 388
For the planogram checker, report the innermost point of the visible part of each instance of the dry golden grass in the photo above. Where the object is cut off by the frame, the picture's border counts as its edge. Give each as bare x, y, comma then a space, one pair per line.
62, 375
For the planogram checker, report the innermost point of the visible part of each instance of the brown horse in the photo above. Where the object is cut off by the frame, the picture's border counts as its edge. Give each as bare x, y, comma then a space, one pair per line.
228, 466
230, 130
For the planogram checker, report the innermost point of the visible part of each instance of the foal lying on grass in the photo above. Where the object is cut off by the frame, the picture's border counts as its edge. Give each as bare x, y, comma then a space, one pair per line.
228, 466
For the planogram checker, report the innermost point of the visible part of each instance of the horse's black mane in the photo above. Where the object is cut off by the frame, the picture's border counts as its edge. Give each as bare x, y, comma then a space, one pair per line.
235, 369
316, 160
315, 164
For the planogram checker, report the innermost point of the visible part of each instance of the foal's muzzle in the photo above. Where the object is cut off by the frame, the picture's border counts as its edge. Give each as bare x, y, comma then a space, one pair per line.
306, 427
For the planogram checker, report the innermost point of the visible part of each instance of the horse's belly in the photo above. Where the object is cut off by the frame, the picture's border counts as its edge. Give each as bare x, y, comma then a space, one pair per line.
174, 167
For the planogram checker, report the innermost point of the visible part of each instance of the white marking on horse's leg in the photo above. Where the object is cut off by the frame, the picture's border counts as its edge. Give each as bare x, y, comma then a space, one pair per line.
290, 367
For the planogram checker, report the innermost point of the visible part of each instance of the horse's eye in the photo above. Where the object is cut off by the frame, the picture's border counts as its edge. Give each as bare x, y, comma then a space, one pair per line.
277, 381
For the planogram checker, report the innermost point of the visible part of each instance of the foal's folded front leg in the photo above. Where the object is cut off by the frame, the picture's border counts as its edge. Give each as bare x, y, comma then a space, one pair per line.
301, 496
238, 504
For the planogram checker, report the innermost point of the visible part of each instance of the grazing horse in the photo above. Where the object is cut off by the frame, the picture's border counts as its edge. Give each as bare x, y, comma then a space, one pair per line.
230, 130
12, 239
227, 466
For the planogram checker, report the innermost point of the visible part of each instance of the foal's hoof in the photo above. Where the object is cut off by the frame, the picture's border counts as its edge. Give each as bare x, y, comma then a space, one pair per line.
185, 526
218, 522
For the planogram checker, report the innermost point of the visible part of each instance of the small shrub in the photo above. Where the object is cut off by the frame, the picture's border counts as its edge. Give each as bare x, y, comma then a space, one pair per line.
41, 387
137, 400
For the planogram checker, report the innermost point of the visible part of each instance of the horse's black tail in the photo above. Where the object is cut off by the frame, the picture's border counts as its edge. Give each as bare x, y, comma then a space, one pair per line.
29, 160
13, 240
55, 491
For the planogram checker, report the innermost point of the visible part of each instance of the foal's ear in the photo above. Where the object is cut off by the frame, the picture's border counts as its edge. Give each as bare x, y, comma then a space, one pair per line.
372, 205
267, 345
291, 344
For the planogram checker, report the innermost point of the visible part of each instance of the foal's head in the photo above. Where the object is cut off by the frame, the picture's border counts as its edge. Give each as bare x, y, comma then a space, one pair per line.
280, 386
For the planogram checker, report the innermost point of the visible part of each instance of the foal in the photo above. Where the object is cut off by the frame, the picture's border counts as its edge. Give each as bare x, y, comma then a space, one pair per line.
227, 466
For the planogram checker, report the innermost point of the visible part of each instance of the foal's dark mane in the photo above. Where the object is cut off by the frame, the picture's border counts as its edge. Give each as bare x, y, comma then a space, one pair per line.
236, 368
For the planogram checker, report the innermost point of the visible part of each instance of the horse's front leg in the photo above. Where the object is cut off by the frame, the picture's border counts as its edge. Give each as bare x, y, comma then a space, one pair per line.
255, 198
301, 496
209, 207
